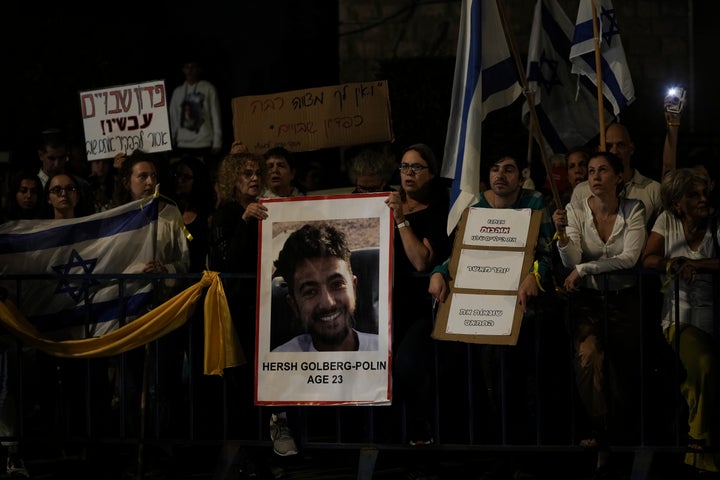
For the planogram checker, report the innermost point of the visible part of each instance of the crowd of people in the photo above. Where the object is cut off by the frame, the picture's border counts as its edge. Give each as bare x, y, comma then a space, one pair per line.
611, 220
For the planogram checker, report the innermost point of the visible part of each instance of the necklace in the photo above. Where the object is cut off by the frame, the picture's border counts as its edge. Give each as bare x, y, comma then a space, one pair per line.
610, 214
412, 208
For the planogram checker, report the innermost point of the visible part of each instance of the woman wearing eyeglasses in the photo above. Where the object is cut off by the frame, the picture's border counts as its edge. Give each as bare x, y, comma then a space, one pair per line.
64, 197
420, 211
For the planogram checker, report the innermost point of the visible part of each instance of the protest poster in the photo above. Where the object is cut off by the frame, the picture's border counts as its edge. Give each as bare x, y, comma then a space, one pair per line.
314, 118
493, 252
290, 370
123, 118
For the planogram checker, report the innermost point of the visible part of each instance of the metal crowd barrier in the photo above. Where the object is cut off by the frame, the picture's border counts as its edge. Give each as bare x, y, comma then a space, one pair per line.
485, 398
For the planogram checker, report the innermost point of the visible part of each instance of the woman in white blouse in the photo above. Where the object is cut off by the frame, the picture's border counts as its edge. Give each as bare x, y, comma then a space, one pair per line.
683, 247
597, 236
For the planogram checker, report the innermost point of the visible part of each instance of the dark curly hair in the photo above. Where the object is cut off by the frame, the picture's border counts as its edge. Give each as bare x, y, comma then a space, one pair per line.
311, 241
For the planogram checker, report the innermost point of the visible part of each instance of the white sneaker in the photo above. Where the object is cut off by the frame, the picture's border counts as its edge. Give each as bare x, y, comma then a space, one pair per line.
283, 442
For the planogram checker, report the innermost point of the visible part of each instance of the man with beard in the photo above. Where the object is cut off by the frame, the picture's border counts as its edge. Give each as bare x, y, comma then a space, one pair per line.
506, 191
315, 263
512, 373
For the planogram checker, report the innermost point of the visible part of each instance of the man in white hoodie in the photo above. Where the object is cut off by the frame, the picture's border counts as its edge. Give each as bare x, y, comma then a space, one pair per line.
195, 116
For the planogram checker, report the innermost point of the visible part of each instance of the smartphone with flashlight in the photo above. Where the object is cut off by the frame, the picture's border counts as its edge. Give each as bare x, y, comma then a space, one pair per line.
675, 99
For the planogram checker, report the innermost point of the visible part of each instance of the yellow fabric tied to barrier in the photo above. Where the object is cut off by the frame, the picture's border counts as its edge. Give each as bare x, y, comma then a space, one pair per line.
222, 347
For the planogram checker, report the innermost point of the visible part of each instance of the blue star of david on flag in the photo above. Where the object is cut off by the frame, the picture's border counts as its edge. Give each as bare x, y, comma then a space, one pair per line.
75, 262
617, 86
609, 23
548, 73
79, 300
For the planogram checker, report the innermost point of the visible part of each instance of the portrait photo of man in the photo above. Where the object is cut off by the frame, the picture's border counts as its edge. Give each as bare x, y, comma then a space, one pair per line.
321, 291
323, 319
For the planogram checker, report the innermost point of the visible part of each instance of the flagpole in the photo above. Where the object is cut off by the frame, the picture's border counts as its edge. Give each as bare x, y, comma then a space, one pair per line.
598, 74
534, 124
530, 143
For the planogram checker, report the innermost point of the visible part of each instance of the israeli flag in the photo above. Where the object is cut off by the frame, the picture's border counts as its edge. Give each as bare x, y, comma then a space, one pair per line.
567, 110
485, 80
120, 240
617, 85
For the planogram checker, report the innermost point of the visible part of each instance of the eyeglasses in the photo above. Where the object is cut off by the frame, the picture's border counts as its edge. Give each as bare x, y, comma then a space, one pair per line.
184, 176
251, 173
60, 190
415, 167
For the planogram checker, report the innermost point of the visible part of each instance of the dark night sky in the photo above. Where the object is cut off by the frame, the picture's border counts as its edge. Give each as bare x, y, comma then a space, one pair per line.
247, 47
52, 52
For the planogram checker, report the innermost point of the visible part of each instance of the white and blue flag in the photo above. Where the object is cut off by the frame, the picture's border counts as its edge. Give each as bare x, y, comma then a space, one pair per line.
485, 80
567, 109
120, 240
617, 85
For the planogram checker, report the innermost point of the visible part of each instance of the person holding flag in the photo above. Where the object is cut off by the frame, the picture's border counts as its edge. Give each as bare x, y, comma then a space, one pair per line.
597, 54
597, 240
138, 180
636, 185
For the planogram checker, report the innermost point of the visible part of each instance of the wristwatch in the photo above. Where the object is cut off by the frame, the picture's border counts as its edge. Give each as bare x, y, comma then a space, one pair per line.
403, 224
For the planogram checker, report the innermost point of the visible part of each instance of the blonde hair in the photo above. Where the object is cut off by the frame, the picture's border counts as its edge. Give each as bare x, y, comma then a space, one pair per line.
677, 183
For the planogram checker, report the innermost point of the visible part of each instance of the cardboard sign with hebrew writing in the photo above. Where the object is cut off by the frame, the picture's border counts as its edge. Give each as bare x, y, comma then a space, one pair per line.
493, 252
314, 118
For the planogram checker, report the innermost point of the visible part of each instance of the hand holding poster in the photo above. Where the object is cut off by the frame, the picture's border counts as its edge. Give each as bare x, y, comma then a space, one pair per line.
124, 118
323, 301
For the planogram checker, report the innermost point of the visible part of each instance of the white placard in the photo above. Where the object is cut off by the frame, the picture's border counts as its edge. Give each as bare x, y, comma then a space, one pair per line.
493, 253
489, 270
481, 315
497, 227
123, 118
